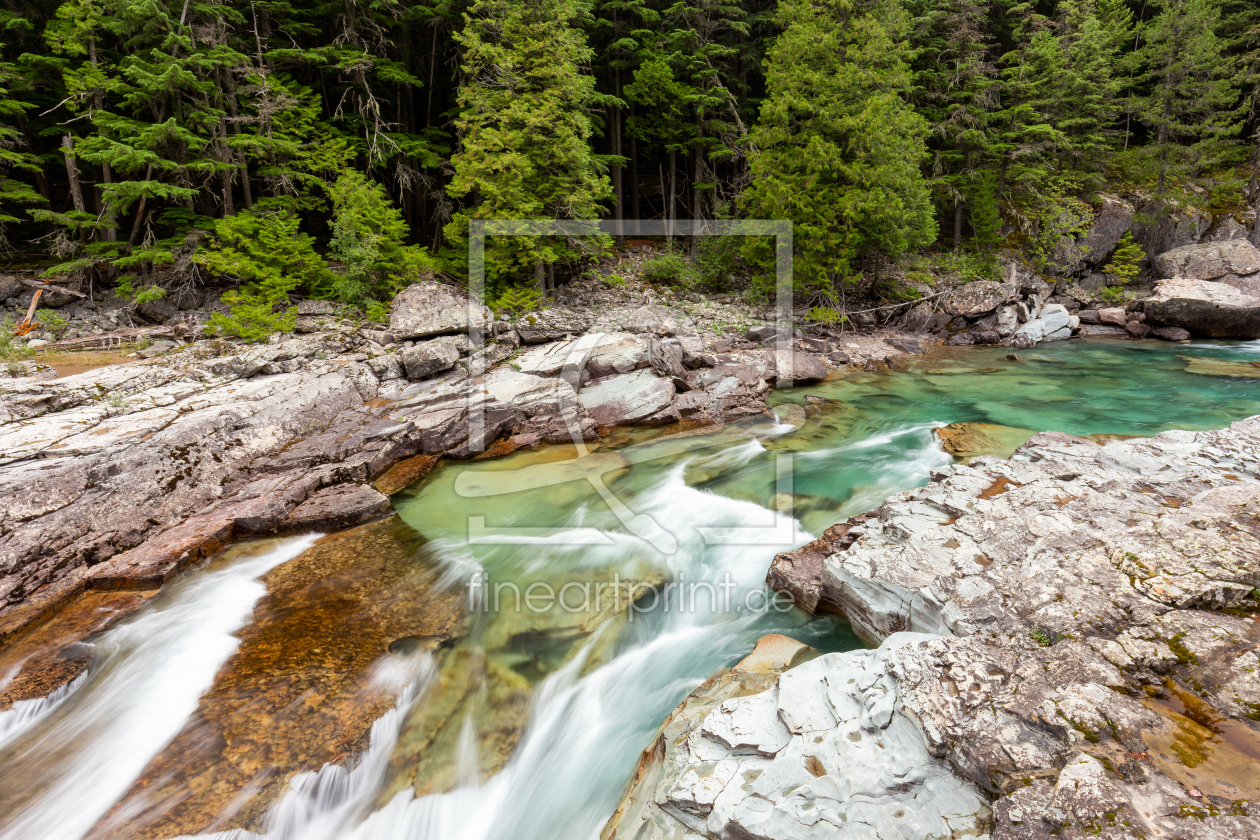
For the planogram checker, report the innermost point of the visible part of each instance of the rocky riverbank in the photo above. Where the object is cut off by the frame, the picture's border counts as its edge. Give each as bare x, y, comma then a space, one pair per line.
1067, 648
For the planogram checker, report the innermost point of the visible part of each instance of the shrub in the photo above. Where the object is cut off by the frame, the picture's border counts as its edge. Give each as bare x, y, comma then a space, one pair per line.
264, 250
669, 269
51, 320
368, 235
517, 299
1124, 262
1115, 295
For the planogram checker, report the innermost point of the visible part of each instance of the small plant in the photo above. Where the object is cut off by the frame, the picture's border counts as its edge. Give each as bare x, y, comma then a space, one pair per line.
966, 266
116, 400
825, 315
138, 296
517, 299
1124, 262
1115, 296
670, 269
144, 343
14, 369
615, 279
51, 320
377, 312
1041, 638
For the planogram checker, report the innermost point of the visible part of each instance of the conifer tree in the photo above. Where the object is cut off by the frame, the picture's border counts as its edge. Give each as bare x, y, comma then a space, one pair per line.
1192, 96
838, 148
525, 125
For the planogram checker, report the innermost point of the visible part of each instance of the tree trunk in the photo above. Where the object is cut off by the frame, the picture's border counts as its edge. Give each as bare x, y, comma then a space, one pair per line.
634, 174
673, 172
958, 223
72, 173
135, 226
619, 205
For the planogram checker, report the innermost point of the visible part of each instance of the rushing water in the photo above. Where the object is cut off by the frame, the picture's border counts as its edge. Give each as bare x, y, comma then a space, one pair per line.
529, 724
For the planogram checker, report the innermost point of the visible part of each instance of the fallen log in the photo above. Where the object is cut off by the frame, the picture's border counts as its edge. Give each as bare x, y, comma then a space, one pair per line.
49, 287
114, 339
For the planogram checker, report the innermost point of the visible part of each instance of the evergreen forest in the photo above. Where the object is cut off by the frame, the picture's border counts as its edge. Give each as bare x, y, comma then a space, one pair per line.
338, 148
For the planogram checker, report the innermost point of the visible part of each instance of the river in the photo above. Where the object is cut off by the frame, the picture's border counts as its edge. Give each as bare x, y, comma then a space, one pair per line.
521, 629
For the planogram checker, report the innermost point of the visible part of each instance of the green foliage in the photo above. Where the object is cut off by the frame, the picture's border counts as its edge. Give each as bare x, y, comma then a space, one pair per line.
966, 266
516, 299
1041, 637
1125, 260
51, 320
986, 218
376, 312
670, 269
525, 128
717, 262
368, 237
265, 252
127, 290
1115, 295
825, 315
838, 147
1056, 216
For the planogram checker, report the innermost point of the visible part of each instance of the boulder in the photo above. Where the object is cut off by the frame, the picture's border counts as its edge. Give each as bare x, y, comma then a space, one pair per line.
432, 308
1204, 308
638, 398
1137, 329
918, 318
1114, 219
10, 286
1225, 229
798, 368
1103, 331
1113, 315
1208, 261
316, 307
1054, 320
339, 507
1172, 334
1089, 316
977, 298
1160, 226
654, 319
428, 358
767, 332
551, 324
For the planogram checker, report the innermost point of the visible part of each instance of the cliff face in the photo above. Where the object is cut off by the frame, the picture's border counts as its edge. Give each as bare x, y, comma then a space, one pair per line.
1081, 661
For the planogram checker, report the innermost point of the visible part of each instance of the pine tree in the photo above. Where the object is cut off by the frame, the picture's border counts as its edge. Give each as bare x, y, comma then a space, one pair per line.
838, 147
1191, 106
525, 126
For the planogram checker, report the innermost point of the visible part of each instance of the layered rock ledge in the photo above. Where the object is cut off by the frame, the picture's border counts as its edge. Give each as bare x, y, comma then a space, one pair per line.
1067, 649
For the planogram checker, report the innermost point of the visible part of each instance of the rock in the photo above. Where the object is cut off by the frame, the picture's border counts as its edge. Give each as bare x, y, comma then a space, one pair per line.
761, 333
1225, 229
431, 308
826, 745
1113, 315
1007, 321
627, 399
1137, 329
339, 507
1053, 322
1172, 334
1113, 221
158, 311
1060, 583
839, 357
551, 324
1205, 308
10, 286
1089, 316
1210, 261
976, 298
905, 345
1103, 331
1161, 225
666, 359
654, 319
156, 349
1069, 303
316, 307
37, 342
426, 358
798, 368
969, 440
918, 318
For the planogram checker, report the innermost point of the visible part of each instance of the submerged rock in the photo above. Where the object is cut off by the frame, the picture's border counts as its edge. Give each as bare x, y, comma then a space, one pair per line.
967, 440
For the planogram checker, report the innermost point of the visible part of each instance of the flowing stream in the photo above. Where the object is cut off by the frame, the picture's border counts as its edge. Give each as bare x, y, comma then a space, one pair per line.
602, 589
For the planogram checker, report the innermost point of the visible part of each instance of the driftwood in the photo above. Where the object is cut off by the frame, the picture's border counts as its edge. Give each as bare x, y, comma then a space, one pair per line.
116, 338
48, 287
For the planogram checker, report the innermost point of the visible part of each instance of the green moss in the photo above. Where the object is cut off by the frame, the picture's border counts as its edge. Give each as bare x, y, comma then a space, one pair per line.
1184, 655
